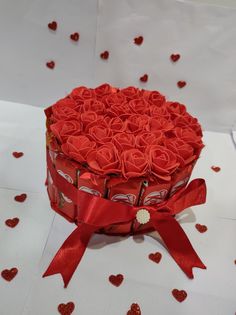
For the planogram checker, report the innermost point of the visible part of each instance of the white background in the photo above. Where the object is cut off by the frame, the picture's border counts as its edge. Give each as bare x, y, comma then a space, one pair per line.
204, 35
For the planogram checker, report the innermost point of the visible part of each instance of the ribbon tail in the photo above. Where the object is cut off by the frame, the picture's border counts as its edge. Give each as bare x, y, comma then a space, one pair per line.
177, 243
71, 252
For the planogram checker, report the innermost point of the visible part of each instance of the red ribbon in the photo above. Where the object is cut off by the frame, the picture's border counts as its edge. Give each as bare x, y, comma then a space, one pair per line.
95, 213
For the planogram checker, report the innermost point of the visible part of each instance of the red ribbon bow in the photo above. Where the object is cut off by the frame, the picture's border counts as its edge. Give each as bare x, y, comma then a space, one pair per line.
95, 213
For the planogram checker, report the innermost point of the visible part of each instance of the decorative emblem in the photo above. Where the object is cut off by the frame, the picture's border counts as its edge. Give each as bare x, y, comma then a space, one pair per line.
143, 216
90, 191
155, 197
66, 176
128, 199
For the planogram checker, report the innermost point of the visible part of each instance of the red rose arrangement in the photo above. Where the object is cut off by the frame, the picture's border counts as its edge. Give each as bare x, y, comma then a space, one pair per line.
118, 162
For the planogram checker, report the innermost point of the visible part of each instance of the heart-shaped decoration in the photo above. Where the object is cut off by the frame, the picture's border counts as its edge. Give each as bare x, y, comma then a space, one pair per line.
105, 55
9, 274
179, 295
116, 280
17, 155
50, 64
20, 198
52, 25
181, 84
175, 57
12, 222
66, 309
216, 168
134, 310
74, 37
201, 228
138, 40
156, 257
144, 78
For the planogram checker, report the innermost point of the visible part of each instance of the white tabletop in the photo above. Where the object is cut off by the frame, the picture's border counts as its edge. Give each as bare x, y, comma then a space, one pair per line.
31, 245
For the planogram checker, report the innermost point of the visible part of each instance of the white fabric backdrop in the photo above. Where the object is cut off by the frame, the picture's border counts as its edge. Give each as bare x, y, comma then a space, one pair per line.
203, 34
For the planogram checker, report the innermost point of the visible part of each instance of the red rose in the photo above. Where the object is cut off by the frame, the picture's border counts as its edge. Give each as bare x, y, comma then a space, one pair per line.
104, 89
104, 160
82, 93
190, 122
159, 112
190, 137
175, 109
137, 123
124, 141
139, 106
63, 129
160, 124
130, 92
63, 113
87, 118
120, 110
154, 97
115, 124
163, 162
78, 147
113, 99
99, 134
94, 106
184, 151
146, 139
134, 163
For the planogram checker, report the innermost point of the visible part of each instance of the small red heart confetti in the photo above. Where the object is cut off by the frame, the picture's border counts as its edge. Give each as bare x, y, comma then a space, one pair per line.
17, 155
50, 64
179, 295
12, 222
105, 55
156, 257
20, 198
116, 280
52, 25
9, 274
175, 57
201, 228
66, 309
216, 168
134, 310
181, 84
138, 40
74, 37
144, 78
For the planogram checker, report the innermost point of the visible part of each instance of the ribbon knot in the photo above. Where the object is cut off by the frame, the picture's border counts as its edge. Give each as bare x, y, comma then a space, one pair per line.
95, 213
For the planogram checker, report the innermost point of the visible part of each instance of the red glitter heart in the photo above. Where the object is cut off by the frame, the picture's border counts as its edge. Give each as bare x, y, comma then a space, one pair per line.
20, 198
134, 310
105, 55
144, 78
52, 25
116, 280
9, 274
50, 64
12, 222
181, 84
66, 309
201, 228
17, 154
138, 40
179, 295
216, 168
156, 257
175, 57
74, 37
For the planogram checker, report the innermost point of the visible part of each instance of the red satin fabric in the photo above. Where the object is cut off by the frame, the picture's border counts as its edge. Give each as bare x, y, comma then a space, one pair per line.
94, 213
